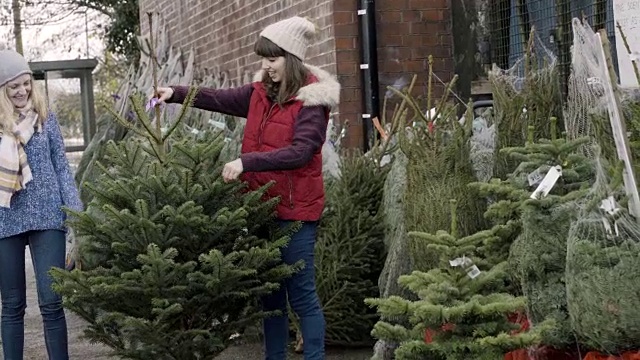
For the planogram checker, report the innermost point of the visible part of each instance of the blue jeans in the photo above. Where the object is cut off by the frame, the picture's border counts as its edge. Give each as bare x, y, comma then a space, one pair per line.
47, 251
300, 290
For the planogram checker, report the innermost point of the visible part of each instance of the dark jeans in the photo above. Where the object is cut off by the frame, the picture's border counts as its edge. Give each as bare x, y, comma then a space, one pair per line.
301, 293
47, 251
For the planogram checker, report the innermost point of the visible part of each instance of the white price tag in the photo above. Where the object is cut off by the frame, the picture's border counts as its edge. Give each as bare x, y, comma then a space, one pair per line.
218, 124
461, 261
535, 177
609, 206
548, 182
473, 272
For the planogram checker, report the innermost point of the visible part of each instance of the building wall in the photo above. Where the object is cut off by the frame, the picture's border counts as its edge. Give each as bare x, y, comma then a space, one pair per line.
222, 32
408, 32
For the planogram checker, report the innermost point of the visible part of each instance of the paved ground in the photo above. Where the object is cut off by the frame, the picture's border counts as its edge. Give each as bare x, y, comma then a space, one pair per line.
82, 350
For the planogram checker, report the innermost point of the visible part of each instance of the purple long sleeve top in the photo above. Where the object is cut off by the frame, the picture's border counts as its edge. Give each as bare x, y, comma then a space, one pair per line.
309, 131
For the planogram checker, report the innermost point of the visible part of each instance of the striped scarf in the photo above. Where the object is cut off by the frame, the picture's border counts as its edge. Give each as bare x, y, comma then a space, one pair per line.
15, 172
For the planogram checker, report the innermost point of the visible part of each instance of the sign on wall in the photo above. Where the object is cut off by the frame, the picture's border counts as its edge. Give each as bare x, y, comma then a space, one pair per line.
627, 14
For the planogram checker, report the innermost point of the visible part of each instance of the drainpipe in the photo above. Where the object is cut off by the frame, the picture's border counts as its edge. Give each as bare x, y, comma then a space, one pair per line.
369, 69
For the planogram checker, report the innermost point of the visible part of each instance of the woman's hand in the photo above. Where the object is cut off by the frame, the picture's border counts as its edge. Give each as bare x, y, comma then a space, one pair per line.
232, 170
164, 94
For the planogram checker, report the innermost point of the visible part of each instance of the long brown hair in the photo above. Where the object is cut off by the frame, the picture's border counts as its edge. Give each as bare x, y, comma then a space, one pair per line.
295, 73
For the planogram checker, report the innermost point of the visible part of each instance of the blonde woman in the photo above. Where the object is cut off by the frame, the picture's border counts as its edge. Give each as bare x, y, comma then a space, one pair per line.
35, 183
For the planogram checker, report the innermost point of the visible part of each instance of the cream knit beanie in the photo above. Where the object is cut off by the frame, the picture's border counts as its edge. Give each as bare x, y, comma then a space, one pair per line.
12, 66
293, 35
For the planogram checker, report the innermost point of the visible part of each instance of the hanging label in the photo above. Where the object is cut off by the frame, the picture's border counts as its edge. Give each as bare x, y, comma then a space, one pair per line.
473, 272
609, 206
218, 124
535, 177
362, 12
461, 261
548, 182
364, 66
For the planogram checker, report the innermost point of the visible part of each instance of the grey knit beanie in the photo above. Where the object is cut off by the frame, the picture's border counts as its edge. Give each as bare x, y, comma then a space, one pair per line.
12, 65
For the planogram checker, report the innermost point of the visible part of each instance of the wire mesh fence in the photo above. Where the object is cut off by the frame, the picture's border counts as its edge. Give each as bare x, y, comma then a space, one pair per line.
511, 22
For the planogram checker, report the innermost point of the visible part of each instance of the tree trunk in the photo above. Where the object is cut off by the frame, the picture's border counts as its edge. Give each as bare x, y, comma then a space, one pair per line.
17, 25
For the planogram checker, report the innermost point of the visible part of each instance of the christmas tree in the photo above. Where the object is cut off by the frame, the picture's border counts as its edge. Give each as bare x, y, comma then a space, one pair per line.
439, 168
178, 256
602, 267
462, 299
534, 230
350, 250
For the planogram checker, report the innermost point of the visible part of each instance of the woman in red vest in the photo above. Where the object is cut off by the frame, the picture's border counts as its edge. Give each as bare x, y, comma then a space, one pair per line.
287, 109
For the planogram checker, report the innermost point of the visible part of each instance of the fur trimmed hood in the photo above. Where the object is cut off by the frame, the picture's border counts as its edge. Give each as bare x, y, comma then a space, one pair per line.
326, 91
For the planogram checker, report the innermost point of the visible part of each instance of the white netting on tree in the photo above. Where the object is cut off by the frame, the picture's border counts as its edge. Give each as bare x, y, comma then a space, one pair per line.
538, 60
526, 94
603, 248
603, 257
330, 155
483, 145
586, 112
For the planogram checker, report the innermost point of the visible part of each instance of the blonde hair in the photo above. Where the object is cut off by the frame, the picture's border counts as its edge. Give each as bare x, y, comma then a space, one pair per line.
8, 114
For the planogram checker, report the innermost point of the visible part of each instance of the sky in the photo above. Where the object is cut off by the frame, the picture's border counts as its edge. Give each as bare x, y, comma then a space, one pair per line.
59, 34
56, 35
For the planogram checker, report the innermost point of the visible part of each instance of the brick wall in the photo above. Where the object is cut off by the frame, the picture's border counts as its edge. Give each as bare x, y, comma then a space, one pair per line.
408, 31
223, 32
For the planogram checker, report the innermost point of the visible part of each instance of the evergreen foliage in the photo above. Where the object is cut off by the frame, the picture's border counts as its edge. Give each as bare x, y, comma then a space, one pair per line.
350, 250
532, 233
463, 298
177, 260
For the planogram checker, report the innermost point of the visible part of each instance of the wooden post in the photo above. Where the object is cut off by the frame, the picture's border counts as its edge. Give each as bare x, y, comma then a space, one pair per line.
17, 25
618, 125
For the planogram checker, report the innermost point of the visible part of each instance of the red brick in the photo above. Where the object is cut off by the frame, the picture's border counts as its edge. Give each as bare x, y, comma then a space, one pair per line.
344, 17
339, 5
411, 16
349, 81
390, 4
394, 29
222, 34
391, 67
346, 30
389, 17
415, 66
420, 40
389, 40
427, 4
345, 43
433, 15
347, 67
347, 55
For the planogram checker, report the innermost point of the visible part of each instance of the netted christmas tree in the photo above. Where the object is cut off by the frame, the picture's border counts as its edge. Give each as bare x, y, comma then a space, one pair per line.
462, 299
527, 94
532, 217
538, 254
603, 290
525, 97
439, 168
178, 260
